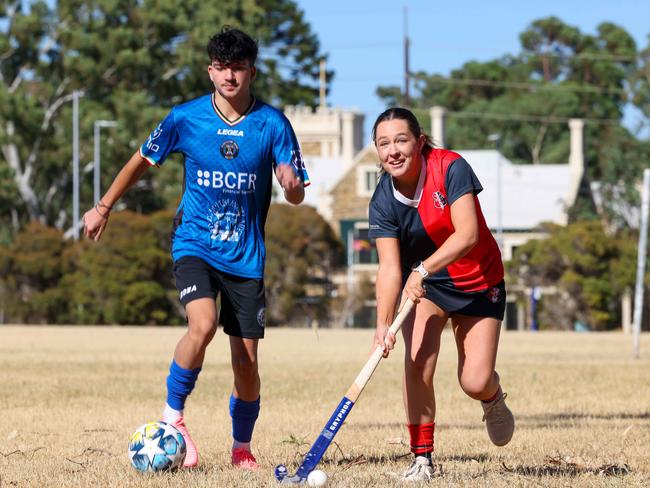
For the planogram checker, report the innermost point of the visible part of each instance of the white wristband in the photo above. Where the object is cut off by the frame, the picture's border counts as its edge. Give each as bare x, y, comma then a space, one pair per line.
420, 269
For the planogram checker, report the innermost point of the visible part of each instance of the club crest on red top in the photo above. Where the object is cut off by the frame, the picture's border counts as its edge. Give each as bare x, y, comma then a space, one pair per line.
439, 200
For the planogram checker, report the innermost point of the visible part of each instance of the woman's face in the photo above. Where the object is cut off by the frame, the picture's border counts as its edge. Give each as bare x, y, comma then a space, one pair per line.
398, 148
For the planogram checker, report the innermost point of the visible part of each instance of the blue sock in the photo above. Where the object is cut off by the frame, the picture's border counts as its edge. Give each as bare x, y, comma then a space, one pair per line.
244, 414
180, 384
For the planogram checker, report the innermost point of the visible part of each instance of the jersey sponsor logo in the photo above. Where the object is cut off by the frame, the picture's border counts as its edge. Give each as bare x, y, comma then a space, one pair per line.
494, 294
439, 200
229, 149
226, 221
187, 291
230, 132
229, 180
151, 145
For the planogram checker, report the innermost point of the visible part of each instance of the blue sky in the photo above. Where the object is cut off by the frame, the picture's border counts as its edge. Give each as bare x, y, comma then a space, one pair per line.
364, 37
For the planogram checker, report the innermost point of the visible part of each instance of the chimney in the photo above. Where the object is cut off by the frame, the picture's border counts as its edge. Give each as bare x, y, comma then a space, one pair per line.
347, 136
576, 158
438, 125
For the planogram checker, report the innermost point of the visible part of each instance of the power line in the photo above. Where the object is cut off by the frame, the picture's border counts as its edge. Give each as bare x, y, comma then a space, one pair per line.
523, 86
528, 118
490, 83
437, 46
586, 56
527, 53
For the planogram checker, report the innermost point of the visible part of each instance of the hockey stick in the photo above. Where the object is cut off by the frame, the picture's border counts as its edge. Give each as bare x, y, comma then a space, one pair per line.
317, 450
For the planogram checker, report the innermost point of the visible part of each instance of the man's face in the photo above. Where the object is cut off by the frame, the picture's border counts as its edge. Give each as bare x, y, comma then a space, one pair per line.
232, 80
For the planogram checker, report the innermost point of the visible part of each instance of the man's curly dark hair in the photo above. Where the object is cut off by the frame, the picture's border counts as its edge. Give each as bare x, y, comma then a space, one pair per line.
232, 46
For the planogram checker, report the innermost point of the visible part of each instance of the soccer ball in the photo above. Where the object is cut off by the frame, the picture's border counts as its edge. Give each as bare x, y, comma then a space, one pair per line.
156, 446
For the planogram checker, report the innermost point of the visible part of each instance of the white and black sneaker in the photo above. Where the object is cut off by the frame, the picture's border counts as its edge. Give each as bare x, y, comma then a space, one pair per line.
420, 470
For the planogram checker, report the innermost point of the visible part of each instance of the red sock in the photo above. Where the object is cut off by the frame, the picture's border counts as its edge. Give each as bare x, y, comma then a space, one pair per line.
421, 438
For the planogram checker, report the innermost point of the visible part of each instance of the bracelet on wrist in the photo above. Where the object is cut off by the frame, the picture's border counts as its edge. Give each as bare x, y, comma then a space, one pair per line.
103, 215
103, 205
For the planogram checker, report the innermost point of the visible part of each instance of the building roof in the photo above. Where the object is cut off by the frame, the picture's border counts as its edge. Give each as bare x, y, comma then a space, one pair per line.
531, 194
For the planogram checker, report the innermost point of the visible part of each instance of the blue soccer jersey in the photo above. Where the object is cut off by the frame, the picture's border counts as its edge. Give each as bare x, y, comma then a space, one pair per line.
227, 184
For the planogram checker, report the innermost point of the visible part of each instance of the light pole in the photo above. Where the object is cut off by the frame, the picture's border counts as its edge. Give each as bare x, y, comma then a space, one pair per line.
496, 138
75, 163
640, 266
97, 155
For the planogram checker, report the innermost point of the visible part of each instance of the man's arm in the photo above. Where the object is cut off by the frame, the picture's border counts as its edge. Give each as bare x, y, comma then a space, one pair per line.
294, 191
96, 218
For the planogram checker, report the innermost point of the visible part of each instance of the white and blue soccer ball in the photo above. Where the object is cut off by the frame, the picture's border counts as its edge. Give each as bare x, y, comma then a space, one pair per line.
156, 446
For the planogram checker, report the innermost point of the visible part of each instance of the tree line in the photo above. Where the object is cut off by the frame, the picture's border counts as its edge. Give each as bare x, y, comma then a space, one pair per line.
127, 278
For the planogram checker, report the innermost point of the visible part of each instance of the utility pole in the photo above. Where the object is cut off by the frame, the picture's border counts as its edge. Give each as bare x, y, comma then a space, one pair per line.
323, 83
407, 42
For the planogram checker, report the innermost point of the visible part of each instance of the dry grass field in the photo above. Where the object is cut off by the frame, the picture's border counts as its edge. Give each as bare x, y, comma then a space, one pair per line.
71, 396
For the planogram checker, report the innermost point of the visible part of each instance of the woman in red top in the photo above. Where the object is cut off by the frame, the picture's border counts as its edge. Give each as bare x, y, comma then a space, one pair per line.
433, 243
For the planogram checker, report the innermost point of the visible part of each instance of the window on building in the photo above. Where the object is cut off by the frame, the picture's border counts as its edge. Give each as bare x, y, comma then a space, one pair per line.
372, 177
367, 177
359, 247
365, 250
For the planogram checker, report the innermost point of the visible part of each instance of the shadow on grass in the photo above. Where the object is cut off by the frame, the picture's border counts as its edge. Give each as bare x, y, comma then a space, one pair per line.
559, 468
465, 458
561, 419
346, 461
555, 417
545, 419
340, 459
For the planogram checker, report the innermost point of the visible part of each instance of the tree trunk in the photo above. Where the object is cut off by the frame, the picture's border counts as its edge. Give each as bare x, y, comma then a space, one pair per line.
539, 142
21, 176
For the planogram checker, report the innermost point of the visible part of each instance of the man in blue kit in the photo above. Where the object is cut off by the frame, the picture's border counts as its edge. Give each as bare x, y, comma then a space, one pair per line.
232, 144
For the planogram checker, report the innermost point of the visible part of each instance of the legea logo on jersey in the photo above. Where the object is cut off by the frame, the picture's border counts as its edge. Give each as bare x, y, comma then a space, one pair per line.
229, 149
230, 132
439, 200
152, 146
229, 180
